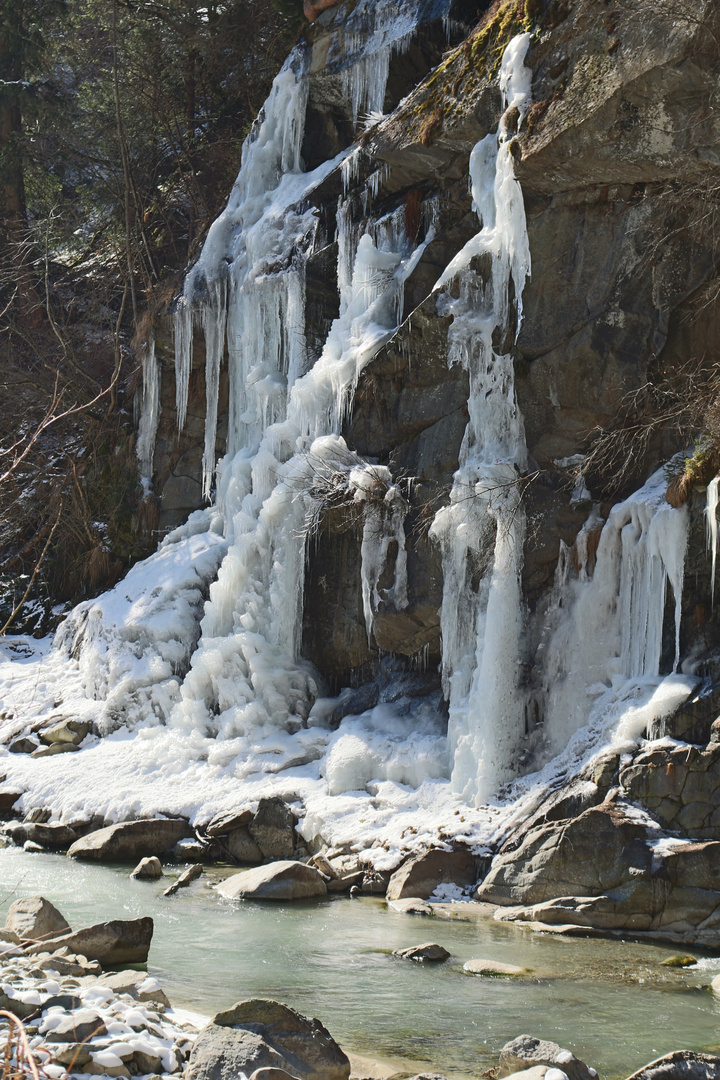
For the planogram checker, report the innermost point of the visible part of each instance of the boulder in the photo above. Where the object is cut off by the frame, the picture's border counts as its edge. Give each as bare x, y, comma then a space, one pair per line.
137, 984
23, 745
222, 1053
273, 828
120, 941
55, 748
421, 874
284, 880
131, 840
240, 845
148, 869
35, 917
680, 1065
525, 1052
429, 951
8, 798
493, 968
55, 837
192, 873
67, 731
227, 821
77, 1027
309, 1050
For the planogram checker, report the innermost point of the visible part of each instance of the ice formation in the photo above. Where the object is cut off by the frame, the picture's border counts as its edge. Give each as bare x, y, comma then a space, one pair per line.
711, 526
481, 532
149, 413
191, 665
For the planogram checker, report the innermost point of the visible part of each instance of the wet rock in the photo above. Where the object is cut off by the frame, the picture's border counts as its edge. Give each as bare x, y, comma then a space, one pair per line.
148, 869
222, 1053
421, 874
307, 1046
430, 951
525, 1052
493, 968
679, 961
55, 837
67, 731
35, 917
131, 840
186, 878
120, 941
283, 880
273, 828
680, 1065
411, 905
78, 1027
344, 884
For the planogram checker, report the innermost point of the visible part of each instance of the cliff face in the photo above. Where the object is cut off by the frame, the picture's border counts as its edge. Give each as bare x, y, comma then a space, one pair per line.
615, 159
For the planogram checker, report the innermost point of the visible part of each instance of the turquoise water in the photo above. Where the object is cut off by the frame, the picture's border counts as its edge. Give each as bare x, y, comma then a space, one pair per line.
608, 1001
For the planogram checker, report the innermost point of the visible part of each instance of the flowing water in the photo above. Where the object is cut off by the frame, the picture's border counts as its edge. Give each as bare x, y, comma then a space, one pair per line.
609, 1001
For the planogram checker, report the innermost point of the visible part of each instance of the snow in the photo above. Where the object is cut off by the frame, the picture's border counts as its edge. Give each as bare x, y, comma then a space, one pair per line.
711, 524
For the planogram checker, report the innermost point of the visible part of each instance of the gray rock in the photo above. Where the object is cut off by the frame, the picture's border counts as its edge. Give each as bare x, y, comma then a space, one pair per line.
35, 917
493, 968
420, 875
284, 880
224, 823
67, 731
148, 869
131, 840
309, 1050
130, 982
271, 1074
525, 1052
429, 951
222, 1053
72, 1054
55, 748
681, 1065
240, 845
76, 1028
192, 849
120, 941
192, 873
411, 905
39, 815
55, 837
273, 828
23, 745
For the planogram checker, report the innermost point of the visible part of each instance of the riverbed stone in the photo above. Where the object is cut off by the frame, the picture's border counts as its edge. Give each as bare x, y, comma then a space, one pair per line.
283, 880
273, 828
192, 873
680, 1065
309, 1048
420, 875
148, 869
526, 1051
131, 840
493, 968
429, 951
35, 917
119, 941
54, 837
222, 1053
411, 905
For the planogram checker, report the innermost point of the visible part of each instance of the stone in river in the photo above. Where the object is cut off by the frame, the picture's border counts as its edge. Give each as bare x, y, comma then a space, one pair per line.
680, 1065
493, 967
284, 880
420, 875
131, 840
35, 917
148, 869
191, 874
120, 941
411, 905
526, 1051
429, 951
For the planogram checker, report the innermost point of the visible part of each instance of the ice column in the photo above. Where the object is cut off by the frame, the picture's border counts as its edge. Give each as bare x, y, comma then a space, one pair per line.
481, 531
149, 414
384, 513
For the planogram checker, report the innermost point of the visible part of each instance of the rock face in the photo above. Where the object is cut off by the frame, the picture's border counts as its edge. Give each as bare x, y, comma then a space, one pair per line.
283, 880
130, 840
35, 917
273, 829
120, 941
420, 875
263, 1034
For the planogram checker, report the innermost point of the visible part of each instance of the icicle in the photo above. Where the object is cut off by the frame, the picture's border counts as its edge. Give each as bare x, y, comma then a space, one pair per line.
384, 513
183, 358
481, 532
149, 414
711, 530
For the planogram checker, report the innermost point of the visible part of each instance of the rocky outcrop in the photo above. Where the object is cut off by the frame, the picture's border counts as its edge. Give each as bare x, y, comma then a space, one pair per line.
282, 880
129, 840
